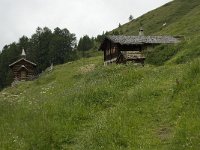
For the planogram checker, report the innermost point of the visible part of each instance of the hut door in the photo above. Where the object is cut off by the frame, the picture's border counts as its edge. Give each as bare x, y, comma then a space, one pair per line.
23, 74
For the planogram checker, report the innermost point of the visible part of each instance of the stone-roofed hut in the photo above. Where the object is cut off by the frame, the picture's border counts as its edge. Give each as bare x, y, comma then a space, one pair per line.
23, 69
120, 48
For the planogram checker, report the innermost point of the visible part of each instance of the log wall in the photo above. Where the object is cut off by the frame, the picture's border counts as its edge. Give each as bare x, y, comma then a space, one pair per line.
30, 72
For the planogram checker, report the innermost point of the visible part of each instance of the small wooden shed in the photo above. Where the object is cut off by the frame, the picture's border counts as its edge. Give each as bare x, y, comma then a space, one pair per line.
120, 48
23, 69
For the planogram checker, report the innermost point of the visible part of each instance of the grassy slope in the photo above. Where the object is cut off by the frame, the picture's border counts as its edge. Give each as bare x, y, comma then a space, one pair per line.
182, 18
84, 105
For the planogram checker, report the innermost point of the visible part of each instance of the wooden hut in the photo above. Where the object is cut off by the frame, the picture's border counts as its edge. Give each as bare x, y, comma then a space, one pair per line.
120, 48
23, 69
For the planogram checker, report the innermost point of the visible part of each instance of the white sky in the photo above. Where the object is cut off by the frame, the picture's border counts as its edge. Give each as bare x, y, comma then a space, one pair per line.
91, 17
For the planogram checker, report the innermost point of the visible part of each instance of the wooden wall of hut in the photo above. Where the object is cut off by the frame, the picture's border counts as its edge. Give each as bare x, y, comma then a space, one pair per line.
30, 72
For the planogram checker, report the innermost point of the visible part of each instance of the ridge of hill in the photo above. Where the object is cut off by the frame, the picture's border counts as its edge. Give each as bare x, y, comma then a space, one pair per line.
181, 18
85, 105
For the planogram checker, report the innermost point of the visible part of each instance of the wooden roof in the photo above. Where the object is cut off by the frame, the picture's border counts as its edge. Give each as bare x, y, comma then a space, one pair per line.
21, 60
138, 40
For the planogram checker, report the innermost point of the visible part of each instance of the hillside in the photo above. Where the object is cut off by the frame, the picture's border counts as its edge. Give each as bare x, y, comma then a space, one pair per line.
85, 105
182, 17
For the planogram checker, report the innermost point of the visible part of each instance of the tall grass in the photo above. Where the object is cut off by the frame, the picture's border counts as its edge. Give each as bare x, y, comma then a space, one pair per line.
113, 107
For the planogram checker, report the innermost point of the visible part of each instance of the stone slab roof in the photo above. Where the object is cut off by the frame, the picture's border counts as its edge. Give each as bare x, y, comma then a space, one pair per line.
131, 40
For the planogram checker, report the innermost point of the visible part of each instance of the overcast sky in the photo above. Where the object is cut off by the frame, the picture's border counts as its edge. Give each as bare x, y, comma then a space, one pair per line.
92, 17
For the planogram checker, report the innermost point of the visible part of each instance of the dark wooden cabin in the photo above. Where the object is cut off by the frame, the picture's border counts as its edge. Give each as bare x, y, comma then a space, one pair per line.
120, 49
23, 69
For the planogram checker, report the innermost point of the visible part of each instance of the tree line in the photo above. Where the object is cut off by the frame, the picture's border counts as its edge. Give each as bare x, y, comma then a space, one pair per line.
43, 48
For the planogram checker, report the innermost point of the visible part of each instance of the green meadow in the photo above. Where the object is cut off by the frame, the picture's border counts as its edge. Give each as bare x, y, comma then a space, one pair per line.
83, 105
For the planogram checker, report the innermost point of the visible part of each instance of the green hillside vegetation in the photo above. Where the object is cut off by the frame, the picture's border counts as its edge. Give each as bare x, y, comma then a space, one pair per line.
83, 105
174, 13
181, 18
